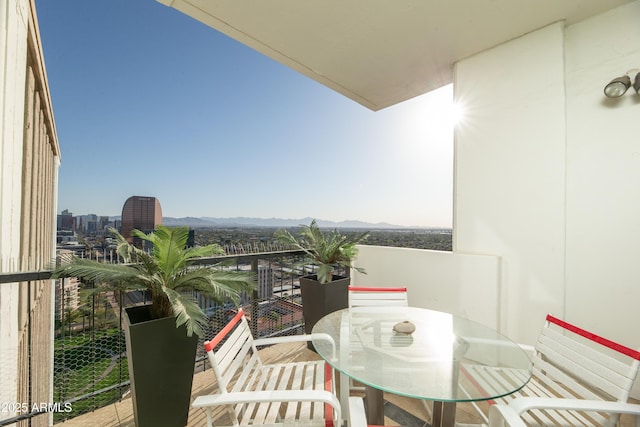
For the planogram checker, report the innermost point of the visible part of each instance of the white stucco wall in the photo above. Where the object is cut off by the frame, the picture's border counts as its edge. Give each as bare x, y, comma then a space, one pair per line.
466, 285
547, 175
510, 170
603, 176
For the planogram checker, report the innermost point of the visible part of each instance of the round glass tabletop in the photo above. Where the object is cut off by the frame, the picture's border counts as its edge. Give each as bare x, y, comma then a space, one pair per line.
442, 359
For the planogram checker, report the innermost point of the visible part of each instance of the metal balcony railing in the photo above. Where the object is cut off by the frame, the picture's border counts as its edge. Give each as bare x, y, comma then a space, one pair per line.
89, 364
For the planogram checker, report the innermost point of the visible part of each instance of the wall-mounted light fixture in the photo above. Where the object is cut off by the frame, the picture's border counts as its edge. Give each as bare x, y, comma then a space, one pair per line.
618, 86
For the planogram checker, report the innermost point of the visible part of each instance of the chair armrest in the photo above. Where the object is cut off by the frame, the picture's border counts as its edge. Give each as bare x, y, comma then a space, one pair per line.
523, 404
270, 396
297, 338
528, 348
503, 416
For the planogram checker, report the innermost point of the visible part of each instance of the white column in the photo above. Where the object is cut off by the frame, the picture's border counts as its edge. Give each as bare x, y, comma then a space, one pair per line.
13, 54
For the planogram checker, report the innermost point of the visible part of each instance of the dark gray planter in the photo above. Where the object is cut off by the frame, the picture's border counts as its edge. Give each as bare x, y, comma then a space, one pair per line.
161, 360
319, 299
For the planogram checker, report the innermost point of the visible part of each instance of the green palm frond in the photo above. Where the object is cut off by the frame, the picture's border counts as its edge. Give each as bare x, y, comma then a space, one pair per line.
187, 312
96, 271
168, 246
219, 285
126, 251
326, 249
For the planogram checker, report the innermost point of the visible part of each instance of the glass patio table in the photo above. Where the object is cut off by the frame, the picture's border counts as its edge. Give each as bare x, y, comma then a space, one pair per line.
430, 363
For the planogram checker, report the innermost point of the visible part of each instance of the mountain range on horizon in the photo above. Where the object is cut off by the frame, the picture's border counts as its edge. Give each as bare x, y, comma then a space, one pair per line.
277, 222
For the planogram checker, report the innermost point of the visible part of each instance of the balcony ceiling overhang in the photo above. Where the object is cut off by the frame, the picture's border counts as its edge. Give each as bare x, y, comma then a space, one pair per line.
381, 52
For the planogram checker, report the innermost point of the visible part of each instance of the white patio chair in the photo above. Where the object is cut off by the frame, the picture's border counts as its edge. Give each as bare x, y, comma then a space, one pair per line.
363, 296
360, 296
509, 416
579, 379
255, 393
372, 296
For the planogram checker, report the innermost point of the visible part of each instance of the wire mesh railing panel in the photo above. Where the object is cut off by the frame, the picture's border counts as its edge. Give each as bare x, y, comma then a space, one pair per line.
89, 365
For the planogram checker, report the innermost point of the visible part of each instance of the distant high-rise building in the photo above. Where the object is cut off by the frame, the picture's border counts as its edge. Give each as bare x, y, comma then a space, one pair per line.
65, 220
87, 223
191, 240
266, 277
67, 297
140, 213
103, 223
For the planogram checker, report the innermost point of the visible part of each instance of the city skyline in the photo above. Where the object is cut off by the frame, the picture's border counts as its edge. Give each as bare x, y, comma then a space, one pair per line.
204, 222
149, 102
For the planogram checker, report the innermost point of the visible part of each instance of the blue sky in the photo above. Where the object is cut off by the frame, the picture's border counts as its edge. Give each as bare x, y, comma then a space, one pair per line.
150, 102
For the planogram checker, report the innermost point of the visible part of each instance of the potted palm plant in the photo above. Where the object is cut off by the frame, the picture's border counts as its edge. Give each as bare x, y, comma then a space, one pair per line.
162, 336
324, 292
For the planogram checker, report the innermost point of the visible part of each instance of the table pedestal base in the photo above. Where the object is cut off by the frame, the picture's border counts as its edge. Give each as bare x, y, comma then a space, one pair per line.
444, 414
374, 401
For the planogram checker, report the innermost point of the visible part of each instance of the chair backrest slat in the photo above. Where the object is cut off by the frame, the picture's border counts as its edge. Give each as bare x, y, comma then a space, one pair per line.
236, 355
244, 363
249, 375
586, 364
234, 347
634, 354
563, 385
377, 296
220, 336
589, 365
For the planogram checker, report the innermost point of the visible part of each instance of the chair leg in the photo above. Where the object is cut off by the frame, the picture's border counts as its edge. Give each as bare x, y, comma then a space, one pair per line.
444, 413
344, 395
427, 407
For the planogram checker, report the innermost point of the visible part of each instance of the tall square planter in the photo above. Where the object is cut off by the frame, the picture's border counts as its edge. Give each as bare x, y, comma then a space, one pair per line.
161, 361
319, 299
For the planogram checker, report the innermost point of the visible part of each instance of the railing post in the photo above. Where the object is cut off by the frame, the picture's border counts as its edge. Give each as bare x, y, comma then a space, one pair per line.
254, 301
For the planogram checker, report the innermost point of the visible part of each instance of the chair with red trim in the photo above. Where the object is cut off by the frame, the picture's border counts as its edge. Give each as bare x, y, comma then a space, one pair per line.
360, 296
579, 379
377, 296
255, 393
